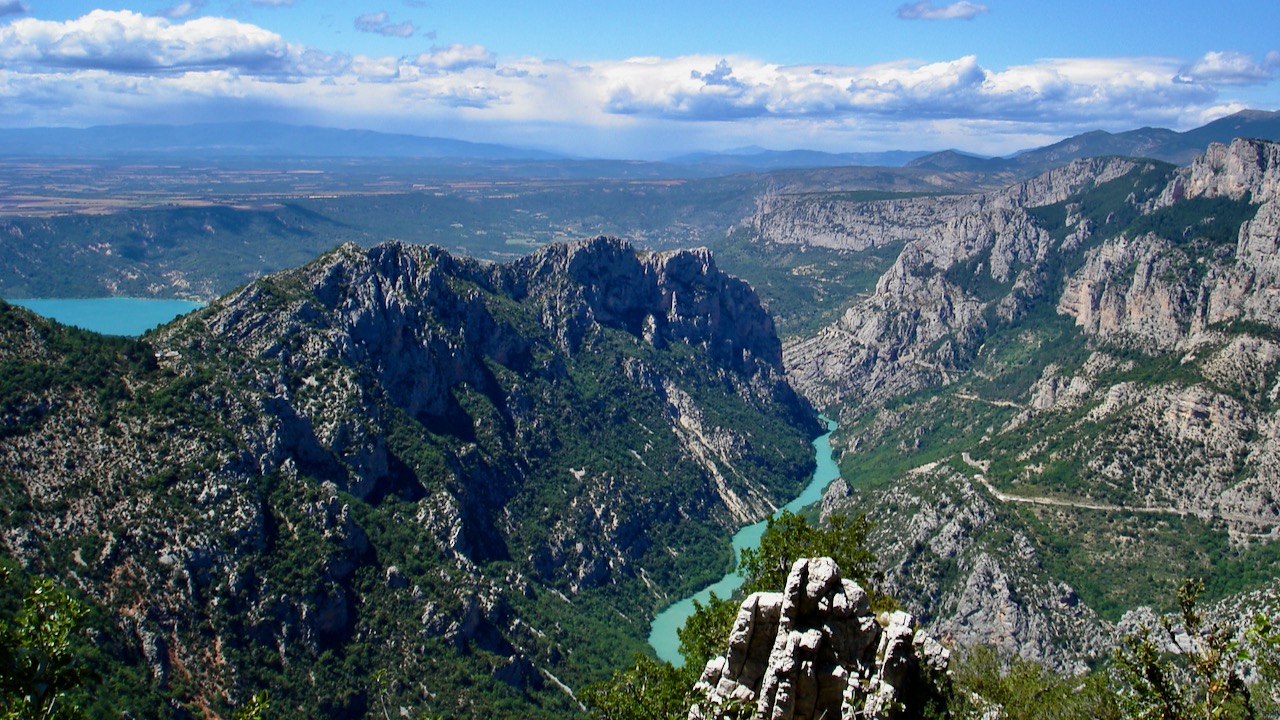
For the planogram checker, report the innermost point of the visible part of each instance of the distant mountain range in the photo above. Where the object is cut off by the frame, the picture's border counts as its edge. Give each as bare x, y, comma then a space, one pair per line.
278, 140
246, 139
1178, 148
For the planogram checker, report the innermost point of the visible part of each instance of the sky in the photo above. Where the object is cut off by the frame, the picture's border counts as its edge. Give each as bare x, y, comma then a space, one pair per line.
651, 79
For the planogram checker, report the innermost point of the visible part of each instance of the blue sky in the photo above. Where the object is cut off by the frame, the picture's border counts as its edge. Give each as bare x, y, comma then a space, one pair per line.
648, 79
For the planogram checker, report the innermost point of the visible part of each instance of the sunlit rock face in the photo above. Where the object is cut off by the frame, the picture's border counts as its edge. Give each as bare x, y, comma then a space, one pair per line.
815, 650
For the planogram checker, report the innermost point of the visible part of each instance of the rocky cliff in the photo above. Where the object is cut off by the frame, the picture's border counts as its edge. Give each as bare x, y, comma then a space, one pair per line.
1083, 365
394, 458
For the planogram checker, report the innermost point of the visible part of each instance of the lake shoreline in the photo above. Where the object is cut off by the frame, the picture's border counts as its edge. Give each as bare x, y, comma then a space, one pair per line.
123, 316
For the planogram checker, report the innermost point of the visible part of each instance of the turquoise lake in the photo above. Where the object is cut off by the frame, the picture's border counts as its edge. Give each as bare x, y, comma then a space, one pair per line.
662, 633
109, 316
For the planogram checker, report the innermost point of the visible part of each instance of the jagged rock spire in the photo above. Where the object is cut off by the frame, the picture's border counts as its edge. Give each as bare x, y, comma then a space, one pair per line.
816, 650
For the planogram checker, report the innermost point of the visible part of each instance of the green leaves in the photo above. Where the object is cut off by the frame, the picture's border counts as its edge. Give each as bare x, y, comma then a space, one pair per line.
1024, 689
705, 632
38, 664
1191, 670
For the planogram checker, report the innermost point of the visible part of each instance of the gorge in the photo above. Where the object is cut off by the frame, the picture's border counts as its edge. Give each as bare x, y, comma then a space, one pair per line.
493, 474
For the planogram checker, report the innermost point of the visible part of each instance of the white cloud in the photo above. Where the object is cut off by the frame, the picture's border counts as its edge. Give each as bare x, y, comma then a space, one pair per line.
700, 88
454, 58
122, 66
1230, 68
125, 41
380, 23
273, 3
924, 10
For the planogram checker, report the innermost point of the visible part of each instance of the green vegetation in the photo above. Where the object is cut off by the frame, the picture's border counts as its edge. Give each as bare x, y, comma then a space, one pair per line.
70, 358
61, 658
984, 683
1211, 673
648, 690
1215, 220
38, 663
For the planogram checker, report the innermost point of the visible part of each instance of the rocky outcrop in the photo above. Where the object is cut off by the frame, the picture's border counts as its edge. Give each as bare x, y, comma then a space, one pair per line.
677, 296
1242, 169
839, 224
815, 650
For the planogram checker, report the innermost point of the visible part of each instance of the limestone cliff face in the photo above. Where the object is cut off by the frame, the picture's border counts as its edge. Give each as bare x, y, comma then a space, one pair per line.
1104, 336
929, 311
666, 297
1242, 169
969, 580
1157, 292
490, 442
986, 257
848, 224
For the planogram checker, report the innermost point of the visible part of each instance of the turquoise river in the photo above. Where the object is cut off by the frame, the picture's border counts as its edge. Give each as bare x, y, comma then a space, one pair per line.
662, 633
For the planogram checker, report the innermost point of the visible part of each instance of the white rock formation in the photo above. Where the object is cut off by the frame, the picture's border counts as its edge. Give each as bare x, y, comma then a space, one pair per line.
816, 650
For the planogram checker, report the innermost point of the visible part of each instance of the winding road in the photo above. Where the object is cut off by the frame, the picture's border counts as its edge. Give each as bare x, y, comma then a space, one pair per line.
1007, 498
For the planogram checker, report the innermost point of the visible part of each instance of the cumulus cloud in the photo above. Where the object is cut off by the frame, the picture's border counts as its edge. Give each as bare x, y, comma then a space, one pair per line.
125, 41
924, 10
454, 58
380, 23
120, 66
1048, 91
13, 7
721, 75
1230, 68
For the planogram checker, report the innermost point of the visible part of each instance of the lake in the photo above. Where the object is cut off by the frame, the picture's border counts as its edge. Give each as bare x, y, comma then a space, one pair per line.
662, 633
109, 316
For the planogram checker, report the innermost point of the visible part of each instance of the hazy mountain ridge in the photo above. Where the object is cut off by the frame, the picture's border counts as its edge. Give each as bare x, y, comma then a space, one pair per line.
243, 139
461, 474
1155, 143
757, 159
204, 228
274, 139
